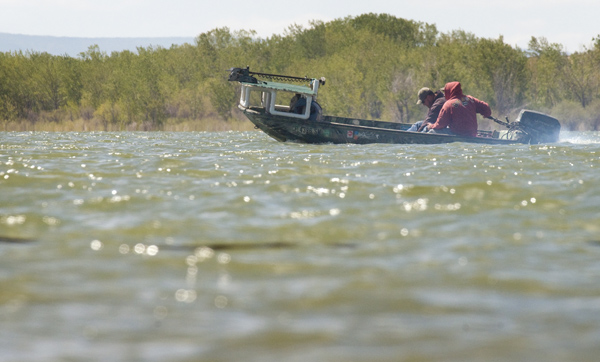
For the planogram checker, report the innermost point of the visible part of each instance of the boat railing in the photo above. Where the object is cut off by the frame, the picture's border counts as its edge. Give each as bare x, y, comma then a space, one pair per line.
270, 90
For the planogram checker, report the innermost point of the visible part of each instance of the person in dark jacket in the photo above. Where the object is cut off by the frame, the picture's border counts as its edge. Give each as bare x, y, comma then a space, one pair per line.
459, 113
432, 100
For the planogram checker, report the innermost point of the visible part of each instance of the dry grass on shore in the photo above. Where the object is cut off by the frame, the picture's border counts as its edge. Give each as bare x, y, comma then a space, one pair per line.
91, 125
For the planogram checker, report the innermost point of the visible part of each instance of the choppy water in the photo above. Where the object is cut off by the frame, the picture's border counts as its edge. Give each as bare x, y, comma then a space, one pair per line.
231, 246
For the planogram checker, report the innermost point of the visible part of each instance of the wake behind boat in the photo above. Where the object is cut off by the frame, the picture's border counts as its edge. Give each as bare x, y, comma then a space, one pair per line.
298, 122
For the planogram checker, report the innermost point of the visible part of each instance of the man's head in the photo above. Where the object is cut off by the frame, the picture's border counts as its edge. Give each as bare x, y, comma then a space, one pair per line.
425, 96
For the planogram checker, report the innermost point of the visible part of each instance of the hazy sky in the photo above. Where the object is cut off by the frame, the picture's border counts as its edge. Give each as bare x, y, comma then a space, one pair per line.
572, 23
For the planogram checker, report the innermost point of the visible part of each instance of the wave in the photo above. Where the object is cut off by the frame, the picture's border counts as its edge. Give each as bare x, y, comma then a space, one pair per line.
582, 138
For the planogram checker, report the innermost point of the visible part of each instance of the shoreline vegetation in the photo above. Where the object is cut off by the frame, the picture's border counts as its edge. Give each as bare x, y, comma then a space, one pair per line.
374, 65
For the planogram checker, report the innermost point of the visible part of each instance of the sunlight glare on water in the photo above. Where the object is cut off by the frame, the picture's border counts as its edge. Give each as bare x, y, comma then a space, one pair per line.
232, 246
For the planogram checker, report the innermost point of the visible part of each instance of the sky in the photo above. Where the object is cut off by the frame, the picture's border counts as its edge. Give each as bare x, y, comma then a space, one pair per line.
572, 23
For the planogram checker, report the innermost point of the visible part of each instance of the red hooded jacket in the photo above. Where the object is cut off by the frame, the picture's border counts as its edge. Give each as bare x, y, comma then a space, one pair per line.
459, 113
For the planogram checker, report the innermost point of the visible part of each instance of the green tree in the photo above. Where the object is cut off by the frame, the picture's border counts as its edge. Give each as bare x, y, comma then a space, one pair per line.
546, 65
502, 71
95, 74
582, 78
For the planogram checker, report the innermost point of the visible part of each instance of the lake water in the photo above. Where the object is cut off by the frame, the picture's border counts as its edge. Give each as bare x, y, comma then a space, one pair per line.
230, 246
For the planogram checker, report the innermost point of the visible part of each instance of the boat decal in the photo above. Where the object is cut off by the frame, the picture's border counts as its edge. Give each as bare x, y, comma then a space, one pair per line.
367, 135
306, 130
352, 134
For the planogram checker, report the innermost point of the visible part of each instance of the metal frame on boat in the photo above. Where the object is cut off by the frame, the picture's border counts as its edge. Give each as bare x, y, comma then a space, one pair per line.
299, 122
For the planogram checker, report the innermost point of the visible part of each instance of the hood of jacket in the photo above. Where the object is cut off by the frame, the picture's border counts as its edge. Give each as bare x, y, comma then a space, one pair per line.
453, 90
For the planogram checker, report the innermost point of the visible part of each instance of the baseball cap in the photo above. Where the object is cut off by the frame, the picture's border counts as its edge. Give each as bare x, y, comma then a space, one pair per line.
423, 93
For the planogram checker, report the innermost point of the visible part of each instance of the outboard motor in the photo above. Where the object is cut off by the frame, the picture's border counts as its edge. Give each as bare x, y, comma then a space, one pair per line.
540, 127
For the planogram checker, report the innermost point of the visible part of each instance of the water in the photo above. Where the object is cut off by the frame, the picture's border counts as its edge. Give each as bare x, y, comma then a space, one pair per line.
231, 246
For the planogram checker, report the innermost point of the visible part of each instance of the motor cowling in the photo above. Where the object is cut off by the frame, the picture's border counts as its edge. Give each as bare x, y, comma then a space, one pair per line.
540, 127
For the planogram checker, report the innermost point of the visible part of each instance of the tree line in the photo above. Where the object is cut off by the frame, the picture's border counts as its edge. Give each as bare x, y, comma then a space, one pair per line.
374, 65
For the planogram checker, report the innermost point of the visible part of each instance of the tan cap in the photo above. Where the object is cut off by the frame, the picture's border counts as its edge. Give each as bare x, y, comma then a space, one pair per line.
423, 93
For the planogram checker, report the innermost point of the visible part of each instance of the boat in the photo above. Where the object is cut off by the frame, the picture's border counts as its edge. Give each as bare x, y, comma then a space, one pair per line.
260, 94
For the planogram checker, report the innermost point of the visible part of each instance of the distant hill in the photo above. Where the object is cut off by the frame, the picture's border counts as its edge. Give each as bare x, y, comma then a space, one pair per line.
73, 46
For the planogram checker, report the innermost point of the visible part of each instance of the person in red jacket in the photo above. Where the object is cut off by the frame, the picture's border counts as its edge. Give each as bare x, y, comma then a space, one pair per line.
459, 113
